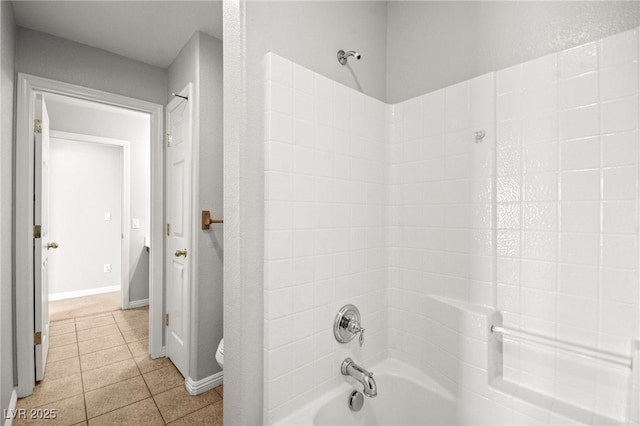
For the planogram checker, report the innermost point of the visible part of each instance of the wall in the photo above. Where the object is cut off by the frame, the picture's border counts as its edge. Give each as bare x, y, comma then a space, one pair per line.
309, 33
86, 241
200, 62
7, 94
52, 57
440, 216
487, 36
325, 230
91, 119
533, 226
568, 217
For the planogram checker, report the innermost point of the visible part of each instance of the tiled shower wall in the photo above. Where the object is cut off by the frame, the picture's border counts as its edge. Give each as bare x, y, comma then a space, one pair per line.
325, 239
403, 212
440, 212
567, 180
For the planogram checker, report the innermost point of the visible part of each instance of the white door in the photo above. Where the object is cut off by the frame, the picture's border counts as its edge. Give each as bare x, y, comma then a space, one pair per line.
178, 245
41, 245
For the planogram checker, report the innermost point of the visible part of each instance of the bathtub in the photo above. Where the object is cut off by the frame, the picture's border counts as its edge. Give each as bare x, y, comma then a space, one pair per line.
406, 396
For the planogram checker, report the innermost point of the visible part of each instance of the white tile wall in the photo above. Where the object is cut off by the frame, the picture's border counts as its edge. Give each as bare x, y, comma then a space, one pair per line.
398, 210
587, 238
325, 239
440, 211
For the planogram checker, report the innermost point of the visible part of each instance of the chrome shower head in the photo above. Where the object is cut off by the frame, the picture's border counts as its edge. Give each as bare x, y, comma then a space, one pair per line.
343, 56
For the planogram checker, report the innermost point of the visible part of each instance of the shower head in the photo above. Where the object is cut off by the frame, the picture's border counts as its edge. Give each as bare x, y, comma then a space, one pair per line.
343, 56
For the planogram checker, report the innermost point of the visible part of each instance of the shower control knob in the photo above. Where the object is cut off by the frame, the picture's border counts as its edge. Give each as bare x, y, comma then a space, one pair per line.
347, 325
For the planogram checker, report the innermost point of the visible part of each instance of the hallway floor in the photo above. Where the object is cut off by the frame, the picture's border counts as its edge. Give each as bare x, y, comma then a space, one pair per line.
99, 373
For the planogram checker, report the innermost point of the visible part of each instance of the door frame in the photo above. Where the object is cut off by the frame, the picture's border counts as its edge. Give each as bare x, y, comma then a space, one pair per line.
27, 86
125, 195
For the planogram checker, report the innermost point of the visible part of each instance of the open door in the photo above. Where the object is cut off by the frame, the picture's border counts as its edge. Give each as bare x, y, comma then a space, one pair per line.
179, 224
41, 243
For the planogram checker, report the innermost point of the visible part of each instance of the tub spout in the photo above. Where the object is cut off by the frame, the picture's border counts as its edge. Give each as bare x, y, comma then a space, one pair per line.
350, 368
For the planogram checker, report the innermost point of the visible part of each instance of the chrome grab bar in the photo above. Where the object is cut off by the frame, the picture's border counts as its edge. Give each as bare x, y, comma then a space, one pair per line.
573, 348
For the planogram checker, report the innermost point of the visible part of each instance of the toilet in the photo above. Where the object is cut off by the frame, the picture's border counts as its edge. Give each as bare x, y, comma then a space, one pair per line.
220, 353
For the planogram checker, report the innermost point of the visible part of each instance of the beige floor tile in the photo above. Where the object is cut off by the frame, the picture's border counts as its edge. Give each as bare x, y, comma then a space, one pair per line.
94, 321
68, 411
138, 348
95, 345
55, 330
81, 423
62, 368
63, 322
131, 319
136, 334
104, 357
62, 352
146, 364
109, 374
62, 339
209, 415
100, 331
163, 379
220, 390
177, 402
118, 395
49, 391
143, 412
85, 306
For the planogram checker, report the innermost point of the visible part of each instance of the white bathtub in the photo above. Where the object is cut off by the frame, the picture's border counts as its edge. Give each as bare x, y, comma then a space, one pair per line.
406, 396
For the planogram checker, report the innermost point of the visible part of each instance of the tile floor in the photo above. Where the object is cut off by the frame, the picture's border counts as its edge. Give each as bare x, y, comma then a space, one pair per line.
99, 373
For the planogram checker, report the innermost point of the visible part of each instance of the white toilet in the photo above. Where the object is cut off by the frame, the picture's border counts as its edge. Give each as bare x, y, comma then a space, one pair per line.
220, 353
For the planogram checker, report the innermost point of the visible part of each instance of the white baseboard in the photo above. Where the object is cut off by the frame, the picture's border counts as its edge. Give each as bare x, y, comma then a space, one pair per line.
138, 303
196, 388
80, 293
12, 407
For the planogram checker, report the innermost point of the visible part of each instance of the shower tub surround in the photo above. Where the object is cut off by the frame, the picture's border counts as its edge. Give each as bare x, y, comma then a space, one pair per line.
436, 234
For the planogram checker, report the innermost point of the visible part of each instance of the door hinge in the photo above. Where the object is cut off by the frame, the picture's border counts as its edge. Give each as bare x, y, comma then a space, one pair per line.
37, 231
37, 126
168, 139
168, 229
166, 319
37, 338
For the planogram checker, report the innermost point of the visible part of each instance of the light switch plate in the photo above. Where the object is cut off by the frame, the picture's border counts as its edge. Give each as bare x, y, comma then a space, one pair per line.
135, 223
107, 215
107, 268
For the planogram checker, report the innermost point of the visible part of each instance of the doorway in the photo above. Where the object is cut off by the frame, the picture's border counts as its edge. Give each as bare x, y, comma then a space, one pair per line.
28, 87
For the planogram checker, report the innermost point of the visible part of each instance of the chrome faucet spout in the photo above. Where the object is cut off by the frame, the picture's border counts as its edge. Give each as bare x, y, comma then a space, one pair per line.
350, 368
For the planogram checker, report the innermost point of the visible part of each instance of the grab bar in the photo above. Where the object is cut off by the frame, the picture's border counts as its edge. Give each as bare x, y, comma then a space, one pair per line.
573, 348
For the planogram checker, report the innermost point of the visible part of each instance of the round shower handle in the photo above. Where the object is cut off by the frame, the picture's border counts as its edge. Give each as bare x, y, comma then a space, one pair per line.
347, 325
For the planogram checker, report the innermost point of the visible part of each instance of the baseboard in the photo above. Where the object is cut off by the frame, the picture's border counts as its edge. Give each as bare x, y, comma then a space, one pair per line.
138, 303
196, 388
12, 407
80, 293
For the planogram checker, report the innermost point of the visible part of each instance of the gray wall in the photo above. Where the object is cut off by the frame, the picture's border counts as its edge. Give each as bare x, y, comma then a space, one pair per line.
7, 90
126, 125
310, 34
52, 57
438, 43
94, 171
200, 62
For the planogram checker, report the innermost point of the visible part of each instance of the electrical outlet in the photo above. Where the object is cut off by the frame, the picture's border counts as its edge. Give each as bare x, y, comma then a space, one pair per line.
135, 223
107, 268
107, 215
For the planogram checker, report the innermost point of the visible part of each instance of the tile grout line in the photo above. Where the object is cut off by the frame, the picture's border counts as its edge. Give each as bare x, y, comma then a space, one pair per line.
84, 395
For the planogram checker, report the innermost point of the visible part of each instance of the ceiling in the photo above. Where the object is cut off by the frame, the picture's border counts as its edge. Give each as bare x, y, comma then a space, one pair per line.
153, 32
